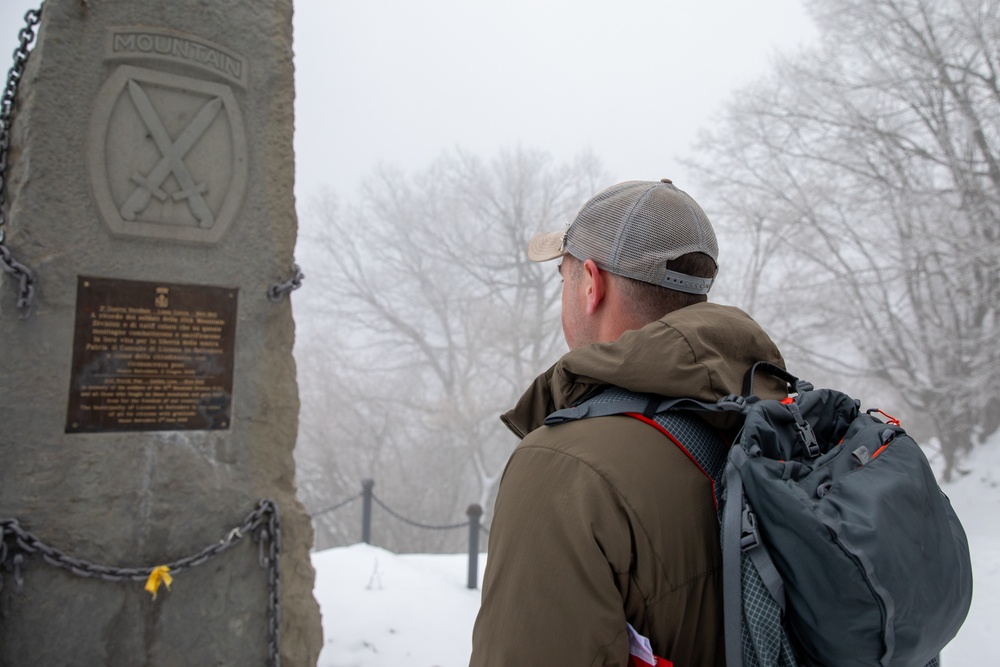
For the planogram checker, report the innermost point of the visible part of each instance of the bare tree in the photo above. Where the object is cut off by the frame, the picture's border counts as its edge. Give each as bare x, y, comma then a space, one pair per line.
435, 322
866, 175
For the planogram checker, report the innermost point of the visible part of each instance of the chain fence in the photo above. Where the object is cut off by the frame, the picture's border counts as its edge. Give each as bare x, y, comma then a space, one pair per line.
416, 524
263, 524
474, 512
334, 508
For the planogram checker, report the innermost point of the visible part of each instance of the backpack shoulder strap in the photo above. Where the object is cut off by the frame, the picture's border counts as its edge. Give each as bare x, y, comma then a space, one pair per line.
671, 416
616, 401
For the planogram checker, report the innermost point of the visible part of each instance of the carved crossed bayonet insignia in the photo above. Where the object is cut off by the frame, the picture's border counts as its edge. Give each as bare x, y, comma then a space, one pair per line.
173, 152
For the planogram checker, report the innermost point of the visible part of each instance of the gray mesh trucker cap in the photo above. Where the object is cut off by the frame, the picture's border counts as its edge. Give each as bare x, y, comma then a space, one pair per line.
633, 229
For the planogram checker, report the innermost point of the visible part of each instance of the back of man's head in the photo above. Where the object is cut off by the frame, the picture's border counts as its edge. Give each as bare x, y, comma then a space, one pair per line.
652, 236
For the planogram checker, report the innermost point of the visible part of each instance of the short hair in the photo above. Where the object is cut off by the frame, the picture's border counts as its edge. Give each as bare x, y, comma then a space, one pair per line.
651, 302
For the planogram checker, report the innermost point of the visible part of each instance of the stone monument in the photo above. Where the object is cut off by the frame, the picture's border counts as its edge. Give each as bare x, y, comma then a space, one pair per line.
148, 401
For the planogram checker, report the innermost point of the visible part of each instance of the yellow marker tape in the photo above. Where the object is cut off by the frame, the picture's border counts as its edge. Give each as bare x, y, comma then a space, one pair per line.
159, 575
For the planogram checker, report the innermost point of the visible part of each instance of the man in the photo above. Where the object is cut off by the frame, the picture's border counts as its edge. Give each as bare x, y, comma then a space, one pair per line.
604, 524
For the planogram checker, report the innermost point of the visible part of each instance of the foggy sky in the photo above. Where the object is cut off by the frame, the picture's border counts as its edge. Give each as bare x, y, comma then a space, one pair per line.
400, 82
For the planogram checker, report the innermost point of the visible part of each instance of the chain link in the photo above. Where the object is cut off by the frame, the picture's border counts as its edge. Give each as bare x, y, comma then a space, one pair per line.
415, 524
342, 503
274, 585
263, 523
277, 291
25, 277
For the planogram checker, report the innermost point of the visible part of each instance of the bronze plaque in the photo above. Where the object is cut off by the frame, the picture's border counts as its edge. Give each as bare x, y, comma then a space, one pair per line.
151, 357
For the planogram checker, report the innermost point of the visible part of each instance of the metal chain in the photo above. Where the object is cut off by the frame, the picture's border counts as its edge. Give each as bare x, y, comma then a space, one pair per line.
277, 291
25, 277
415, 524
272, 537
263, 523
336, 507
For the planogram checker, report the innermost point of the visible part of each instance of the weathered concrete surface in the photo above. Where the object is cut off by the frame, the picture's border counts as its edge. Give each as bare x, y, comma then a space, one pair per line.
139, 499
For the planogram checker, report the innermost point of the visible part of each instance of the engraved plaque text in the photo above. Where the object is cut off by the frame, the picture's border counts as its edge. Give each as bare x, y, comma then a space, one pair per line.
151, 357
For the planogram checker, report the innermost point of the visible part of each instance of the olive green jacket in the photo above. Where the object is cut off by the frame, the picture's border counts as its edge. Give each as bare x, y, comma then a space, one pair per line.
603, 522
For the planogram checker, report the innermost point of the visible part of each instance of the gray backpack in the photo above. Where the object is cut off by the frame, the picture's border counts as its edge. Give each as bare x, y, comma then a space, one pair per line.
839, 548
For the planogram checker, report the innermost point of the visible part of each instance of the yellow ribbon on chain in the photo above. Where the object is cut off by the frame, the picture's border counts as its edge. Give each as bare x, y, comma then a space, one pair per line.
159, 575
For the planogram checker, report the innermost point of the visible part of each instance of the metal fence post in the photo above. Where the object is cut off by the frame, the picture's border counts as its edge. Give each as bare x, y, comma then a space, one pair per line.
366, 510
474, 512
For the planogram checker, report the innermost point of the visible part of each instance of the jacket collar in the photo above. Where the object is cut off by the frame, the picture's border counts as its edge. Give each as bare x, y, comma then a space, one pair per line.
701, 351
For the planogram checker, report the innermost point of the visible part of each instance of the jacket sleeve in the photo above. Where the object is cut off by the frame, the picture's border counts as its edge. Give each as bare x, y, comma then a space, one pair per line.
559, 547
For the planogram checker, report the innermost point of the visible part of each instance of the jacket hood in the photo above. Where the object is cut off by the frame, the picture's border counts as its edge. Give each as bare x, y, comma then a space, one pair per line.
701, 351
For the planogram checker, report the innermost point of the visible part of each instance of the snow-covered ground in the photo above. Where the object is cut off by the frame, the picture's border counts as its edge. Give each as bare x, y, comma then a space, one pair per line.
381, 609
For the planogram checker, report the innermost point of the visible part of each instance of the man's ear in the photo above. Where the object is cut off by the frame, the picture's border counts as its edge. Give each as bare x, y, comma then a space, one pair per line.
596, 283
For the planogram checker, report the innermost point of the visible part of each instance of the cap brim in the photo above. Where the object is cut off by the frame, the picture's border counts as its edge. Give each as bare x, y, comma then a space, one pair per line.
549, 245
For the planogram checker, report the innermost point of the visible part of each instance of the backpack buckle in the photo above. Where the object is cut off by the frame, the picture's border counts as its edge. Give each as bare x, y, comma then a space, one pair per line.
808, 438
802, 428
749, 534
